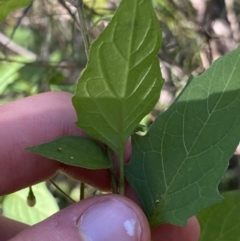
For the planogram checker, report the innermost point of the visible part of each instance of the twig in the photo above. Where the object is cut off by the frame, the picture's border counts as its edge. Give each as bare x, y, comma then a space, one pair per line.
8, 43
232, 18
42, 64
83, 27
82, 190
99, 20
72, 2
60, 190
25, 11
62, 2
79, 5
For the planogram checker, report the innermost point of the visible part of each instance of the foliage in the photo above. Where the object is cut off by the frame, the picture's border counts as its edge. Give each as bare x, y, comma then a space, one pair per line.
202, 126
75, 151
10, 5
221, 221
176, 167
109, 98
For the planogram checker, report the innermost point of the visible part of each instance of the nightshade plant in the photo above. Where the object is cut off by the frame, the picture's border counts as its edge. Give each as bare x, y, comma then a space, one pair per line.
176, 167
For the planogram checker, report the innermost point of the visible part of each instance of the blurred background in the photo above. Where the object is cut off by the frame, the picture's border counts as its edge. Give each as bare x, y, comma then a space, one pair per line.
41, 49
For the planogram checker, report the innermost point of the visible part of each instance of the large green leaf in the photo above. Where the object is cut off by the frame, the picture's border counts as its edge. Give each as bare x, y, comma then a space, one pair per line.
15, 205
74, 150
8, 6
122, 80
221, 222
176, 168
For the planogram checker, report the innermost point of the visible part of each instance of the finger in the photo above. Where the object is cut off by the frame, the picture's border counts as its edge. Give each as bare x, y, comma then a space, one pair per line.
10, 228
32, 121
101, 218
168, 232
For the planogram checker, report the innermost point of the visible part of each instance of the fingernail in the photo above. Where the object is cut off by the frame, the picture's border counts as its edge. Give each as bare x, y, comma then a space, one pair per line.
109, 220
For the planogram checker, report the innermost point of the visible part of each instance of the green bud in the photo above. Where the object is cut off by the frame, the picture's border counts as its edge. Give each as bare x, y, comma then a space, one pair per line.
31, 200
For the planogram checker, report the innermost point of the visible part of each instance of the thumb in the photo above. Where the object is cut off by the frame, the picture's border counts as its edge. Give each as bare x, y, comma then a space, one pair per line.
100, 218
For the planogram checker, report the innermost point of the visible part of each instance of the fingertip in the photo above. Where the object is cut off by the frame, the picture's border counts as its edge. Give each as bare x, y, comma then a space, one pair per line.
10, 228
111, 218
100, 218
170, 232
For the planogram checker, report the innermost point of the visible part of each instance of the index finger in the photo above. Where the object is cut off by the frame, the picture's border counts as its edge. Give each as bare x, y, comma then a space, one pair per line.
41, 118
32, 121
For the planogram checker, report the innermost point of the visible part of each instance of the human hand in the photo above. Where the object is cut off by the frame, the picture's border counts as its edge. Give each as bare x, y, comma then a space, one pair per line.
44, 117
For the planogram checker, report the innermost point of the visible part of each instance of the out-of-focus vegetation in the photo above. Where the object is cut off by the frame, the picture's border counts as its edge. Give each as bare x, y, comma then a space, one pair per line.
41, 49
41, 45
14, 205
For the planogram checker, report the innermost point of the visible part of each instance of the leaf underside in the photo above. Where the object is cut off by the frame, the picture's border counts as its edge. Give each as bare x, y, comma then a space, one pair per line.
122, 80
221, 222
75, 151
176, 168
7, 6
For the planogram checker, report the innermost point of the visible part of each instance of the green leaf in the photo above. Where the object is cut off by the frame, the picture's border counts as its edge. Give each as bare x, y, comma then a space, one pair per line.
9, 73
177, 166
66, 88
15, 205
8, 6
74, 150
221, 222
122, 80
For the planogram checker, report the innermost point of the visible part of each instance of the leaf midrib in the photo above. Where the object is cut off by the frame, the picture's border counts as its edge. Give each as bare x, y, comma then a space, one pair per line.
121, 127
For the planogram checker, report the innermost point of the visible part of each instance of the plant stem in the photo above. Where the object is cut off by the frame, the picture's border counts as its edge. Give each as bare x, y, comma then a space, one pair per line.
30, 192
79, 5
121, 173
83, 27
60, 190
113, 174
99, 20
81, 191
113, 182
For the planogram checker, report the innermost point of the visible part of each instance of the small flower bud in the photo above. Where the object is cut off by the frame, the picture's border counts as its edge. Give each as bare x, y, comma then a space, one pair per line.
31, 200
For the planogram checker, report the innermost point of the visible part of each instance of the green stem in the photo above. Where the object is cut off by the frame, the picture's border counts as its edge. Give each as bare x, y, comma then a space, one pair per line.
79, 5
81, 190
99, 20
30, 193
113, 174
83, 26
121, 172
113, 182
60, 190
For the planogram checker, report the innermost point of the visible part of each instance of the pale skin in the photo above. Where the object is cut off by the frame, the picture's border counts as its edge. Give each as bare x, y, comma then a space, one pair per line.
41, 118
